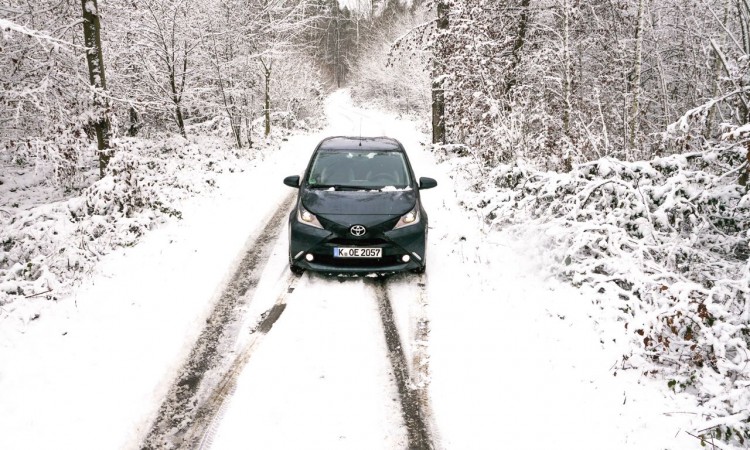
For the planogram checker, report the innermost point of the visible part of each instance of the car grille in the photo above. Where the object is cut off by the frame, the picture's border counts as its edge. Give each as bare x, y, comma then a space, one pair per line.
358, 242
388, 260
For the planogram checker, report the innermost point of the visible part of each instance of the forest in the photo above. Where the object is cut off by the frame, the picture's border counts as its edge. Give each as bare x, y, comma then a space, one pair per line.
618, 129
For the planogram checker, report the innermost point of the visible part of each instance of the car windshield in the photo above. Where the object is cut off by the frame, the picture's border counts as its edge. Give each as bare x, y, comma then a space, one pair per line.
359, 170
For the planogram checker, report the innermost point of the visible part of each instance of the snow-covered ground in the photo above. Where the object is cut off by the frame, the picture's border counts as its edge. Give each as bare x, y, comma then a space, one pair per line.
511, 359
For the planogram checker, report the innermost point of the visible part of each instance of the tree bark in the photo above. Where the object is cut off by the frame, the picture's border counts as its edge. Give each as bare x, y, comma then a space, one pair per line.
95, 60
637, 67
438, 91
567, 87
267, 97
717, 73
567, 75
134, 122
339, 64
745, 175
177, 94
523, 22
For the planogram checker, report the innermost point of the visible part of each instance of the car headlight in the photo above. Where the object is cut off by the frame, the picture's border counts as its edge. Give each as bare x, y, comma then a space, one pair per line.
410, 218
306, 217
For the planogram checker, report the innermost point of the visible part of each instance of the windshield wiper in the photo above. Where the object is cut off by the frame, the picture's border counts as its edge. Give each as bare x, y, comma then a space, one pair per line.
344, 187
357, 188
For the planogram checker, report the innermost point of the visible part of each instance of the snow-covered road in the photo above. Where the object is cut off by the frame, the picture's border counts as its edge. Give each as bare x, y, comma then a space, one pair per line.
498, 356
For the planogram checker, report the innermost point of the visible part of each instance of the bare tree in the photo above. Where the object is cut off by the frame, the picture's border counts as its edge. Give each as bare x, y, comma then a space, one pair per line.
45, 109
95, 60
635, 110
438, 91
520, 40
169, 42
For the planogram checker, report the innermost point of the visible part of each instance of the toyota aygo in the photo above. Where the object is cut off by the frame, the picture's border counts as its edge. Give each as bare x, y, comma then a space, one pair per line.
358, 210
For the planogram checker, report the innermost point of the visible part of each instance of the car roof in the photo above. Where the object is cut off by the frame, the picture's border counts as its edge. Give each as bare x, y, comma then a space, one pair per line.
360, 143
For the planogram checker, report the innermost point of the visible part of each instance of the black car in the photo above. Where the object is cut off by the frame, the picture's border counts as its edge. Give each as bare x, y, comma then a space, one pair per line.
358, 210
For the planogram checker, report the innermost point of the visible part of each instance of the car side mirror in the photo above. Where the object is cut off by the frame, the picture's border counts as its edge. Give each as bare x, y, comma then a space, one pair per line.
427, 183
292, 181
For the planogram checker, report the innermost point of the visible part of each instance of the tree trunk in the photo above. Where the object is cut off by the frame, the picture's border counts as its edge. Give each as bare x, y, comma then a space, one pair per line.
235, 121
267, 100
247, 108
177, 100
438, 92
637, 66
567, 79
717, 74
134, 122
518, 45
339, 69
95, 60
567, 75
745, 26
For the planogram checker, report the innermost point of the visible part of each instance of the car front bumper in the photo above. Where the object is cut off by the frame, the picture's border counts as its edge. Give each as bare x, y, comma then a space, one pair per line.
306, 240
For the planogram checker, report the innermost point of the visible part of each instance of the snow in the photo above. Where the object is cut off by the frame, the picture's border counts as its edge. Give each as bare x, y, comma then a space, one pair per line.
330, 389
395, 189
8, 27
540, 370
514, 358
737, 132
90, 7
92, 371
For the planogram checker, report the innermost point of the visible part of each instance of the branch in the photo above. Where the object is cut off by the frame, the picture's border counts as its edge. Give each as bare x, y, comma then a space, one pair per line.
37, 295
682, 122
38, 35
405, 35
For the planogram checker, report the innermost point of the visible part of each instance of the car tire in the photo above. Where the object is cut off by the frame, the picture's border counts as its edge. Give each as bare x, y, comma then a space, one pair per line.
294, 268
420, 270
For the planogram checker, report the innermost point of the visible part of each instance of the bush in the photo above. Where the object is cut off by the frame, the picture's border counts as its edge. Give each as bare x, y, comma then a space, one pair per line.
666, 245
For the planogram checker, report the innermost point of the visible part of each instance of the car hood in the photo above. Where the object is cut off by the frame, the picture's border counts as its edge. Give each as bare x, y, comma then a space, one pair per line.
359, 202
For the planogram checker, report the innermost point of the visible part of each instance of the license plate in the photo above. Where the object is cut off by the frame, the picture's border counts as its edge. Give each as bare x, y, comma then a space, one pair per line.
357, 252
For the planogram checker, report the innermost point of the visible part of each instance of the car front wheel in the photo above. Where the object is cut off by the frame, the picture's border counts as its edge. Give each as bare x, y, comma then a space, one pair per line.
294, 268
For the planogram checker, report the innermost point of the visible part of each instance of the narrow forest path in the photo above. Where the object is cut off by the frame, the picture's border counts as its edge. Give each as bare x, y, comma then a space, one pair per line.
486, 354
481, 352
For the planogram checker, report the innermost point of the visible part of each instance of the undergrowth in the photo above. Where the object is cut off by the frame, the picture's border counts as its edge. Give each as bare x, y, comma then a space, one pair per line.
666, 244
45, 248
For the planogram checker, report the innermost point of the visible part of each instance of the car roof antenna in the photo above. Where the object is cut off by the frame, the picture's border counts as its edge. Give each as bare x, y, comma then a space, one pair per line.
360, 131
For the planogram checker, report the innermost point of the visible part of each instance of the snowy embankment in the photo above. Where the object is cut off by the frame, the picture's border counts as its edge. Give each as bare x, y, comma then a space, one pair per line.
134, 265
48, 247
664, 246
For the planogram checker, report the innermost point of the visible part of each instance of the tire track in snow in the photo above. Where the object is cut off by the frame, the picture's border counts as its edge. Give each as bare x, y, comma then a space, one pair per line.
183, 409
214, 407
420, 358
413, 399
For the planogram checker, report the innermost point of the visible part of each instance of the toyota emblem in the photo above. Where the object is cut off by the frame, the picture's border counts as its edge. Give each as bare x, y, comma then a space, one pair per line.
358, 230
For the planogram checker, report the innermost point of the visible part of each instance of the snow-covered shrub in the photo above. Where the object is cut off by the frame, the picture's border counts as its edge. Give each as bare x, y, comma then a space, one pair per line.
297, 92
392, 71
46, 248
665, 243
